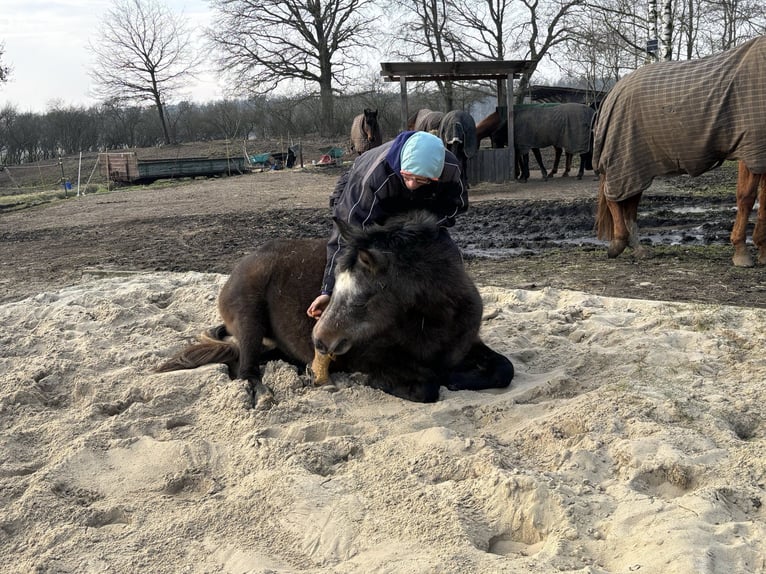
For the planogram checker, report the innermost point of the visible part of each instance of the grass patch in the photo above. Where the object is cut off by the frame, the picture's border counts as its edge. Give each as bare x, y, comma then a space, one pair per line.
34, 198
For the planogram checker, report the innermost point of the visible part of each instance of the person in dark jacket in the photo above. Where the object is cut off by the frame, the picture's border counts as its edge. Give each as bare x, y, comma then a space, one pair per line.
414, 171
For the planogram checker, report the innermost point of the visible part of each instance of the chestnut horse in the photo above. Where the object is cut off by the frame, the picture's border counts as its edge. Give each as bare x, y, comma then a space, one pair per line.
683, 117
616, 221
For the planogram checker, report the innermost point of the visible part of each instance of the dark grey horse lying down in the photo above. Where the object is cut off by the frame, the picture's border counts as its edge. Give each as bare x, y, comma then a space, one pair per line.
404, 311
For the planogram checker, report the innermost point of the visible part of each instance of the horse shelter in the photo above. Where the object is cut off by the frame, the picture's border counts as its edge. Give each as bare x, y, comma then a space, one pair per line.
493, 165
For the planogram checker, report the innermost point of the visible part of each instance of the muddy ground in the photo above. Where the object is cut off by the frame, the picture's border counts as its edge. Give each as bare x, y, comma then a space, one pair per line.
534, 235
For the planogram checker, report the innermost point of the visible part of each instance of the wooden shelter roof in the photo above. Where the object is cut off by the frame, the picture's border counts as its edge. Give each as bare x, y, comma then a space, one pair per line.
502, 71
432, 71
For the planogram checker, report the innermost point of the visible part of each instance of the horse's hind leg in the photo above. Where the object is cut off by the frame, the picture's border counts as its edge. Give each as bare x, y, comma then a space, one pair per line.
747, 186
246, 323
482, 368
624, 233
567, 164
556, 160
539, 159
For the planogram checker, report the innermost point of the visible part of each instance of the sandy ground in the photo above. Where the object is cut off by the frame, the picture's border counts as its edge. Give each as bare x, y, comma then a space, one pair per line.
631, 439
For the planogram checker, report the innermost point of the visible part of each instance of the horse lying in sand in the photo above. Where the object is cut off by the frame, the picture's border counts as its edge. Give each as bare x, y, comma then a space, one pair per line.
404, 311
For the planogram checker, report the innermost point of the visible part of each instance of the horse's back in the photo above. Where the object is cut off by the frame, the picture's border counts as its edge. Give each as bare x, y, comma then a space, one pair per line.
428, 120
682, 117
275, 285
457, 125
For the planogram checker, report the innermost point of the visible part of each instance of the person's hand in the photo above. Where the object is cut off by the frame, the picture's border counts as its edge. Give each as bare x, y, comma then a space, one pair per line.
317, 306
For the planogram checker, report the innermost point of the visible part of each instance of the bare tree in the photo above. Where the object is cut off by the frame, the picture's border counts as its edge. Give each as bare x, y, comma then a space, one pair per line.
144, 54
266, 43
426, 32
5, 71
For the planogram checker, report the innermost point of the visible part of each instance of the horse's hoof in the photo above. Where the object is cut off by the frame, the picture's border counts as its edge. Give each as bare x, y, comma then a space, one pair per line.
616, 246
642, 252
743, 260
261, 396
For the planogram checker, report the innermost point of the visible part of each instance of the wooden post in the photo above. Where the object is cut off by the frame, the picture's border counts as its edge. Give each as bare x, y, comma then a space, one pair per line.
511, 146
405, 114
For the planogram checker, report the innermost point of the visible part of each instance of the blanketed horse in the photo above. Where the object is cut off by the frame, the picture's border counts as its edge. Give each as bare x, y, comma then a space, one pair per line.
683, 117
457, 130
567, 127
404, 311
428, 121
365, 131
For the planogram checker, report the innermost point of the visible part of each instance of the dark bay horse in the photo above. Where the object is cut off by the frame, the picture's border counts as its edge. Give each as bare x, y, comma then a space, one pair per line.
683, 117
365, 131
404, 311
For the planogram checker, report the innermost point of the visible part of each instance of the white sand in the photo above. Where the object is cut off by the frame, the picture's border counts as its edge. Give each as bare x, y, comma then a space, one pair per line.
631, 440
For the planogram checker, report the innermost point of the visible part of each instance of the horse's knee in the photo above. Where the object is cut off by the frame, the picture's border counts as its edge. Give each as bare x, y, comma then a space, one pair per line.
482, 368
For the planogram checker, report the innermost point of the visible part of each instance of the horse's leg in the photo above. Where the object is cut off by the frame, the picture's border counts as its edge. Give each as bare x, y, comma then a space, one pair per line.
630, 215
747, 186
610, 223
556, 160
249, 332
759, 233
521, 168
581, 169
539, 159
567, 165
481, 368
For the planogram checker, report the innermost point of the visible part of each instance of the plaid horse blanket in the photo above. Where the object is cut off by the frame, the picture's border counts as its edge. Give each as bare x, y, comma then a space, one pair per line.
683, 117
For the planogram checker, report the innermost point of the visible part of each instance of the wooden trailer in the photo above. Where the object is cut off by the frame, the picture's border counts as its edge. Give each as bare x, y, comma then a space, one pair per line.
125, 167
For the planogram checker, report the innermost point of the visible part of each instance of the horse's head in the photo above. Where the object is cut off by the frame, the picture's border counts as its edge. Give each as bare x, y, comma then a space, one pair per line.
370, 124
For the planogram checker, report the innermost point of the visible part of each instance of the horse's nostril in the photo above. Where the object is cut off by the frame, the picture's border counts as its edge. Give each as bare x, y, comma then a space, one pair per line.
341, 346
320, 346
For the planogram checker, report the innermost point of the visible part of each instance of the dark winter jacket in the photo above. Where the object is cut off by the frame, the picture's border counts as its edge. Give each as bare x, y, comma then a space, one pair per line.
373, 190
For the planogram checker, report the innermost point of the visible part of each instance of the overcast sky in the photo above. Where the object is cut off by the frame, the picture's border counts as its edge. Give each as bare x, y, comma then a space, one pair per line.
46, 45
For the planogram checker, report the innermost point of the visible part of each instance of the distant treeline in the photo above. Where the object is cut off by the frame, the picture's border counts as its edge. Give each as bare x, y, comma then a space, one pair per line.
67, 130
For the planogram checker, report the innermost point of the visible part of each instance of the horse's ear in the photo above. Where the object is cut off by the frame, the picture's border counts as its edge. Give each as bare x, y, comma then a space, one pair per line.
347, 232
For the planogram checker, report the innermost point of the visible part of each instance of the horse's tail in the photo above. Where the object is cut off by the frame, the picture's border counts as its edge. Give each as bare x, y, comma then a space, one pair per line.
604, 223
210, 347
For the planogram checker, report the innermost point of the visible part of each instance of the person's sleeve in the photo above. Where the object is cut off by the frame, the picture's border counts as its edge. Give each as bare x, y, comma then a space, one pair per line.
454, 201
